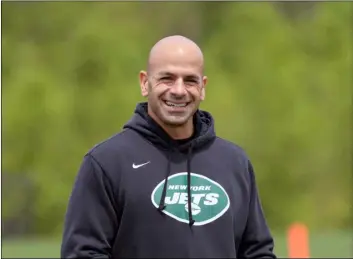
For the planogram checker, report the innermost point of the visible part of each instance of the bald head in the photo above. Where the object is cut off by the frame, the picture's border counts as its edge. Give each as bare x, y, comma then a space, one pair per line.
175, 50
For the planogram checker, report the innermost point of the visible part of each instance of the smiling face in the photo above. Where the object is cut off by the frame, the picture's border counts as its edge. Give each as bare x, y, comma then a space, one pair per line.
175, 93
175, 84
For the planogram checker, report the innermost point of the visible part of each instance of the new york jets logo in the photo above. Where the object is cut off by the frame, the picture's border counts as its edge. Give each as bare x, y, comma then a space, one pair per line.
209, 199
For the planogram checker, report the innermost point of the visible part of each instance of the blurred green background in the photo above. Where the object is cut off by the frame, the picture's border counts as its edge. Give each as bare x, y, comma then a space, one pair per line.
280, 79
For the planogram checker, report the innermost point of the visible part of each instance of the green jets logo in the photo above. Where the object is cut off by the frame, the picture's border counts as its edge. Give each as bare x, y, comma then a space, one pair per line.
209, 199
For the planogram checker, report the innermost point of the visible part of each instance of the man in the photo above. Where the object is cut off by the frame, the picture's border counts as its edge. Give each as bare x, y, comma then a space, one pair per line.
167, 186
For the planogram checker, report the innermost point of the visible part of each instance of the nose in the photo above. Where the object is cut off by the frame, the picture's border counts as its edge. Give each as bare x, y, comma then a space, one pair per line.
178, 88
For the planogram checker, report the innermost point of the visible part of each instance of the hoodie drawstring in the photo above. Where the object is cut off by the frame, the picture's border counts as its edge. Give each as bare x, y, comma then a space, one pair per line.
162, 205
191, 220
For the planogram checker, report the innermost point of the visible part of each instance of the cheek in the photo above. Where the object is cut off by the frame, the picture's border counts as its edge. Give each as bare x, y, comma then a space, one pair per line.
152, 93
158, 90
195, 93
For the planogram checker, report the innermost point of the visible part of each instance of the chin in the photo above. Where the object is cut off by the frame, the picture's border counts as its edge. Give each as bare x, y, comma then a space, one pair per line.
175, 121
175, 117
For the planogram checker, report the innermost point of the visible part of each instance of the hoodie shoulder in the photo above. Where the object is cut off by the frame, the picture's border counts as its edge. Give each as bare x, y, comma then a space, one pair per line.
232, 151
110, 151
231, 147
112, 143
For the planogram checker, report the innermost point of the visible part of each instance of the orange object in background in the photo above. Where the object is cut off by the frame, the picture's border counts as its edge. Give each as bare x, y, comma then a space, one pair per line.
298, 241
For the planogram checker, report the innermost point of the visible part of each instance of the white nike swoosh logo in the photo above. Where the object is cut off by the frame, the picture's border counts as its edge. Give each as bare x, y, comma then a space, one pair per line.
137, 166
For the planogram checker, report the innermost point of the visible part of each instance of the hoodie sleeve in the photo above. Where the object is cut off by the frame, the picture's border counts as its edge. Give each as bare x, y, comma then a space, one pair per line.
257, 241
91, 221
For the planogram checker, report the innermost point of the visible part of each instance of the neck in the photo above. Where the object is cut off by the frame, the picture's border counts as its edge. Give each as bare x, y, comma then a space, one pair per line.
180, 132
175, 132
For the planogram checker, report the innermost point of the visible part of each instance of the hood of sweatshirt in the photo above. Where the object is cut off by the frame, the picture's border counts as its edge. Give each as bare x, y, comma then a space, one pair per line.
204, 134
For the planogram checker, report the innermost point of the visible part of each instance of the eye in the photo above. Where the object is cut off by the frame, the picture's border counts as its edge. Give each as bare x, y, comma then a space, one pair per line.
166, 80
191, 81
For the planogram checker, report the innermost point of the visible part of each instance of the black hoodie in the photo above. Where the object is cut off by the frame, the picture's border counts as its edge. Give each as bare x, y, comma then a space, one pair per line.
130, 198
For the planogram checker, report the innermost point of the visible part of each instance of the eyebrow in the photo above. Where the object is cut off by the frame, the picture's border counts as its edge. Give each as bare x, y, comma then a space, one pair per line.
164, 73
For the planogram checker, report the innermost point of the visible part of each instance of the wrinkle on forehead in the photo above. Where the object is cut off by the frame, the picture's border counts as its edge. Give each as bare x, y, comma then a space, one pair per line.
175, 50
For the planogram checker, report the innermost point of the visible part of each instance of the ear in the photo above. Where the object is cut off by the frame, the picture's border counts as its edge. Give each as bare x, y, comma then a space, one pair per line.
143, 83
203, 90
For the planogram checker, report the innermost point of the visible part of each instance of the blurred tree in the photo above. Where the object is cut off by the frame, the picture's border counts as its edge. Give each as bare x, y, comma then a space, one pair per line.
297, 11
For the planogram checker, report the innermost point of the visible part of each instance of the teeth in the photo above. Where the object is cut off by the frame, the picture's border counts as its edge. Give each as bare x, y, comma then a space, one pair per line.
176, 104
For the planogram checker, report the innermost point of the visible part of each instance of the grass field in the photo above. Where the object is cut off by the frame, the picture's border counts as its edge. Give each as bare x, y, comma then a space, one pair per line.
325, 245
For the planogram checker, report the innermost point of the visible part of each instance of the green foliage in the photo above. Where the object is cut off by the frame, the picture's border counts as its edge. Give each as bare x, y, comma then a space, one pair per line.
277, 87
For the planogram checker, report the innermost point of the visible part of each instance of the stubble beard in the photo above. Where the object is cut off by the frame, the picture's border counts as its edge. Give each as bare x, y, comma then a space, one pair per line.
173, 120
